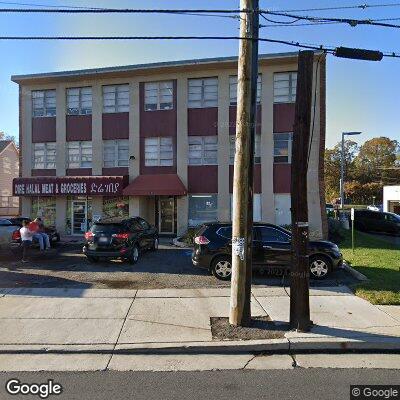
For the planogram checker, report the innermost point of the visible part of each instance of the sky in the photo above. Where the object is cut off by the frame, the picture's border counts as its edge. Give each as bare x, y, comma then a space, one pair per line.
361, 96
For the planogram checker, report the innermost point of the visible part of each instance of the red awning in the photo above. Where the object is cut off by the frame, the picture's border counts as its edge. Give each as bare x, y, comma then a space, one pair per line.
160, 185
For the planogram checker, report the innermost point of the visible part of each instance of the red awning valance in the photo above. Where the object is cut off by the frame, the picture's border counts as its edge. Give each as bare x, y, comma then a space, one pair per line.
160, 185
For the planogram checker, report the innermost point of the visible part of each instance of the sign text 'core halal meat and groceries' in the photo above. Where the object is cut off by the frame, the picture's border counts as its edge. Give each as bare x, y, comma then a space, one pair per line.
54, 186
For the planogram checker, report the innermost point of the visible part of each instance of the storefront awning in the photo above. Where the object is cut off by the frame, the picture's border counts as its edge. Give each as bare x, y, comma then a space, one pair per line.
160, 185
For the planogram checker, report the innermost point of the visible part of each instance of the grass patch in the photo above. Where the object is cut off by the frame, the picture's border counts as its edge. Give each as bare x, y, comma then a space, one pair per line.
379, 261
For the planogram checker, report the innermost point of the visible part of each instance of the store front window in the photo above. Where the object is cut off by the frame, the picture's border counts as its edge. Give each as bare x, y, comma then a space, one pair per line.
44, 208
115, 207
202, 208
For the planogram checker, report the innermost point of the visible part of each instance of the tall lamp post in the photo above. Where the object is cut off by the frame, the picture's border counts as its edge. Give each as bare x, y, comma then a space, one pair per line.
342, 166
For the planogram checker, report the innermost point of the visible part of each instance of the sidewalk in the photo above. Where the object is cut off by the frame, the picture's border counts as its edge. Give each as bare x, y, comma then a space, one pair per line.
99, 328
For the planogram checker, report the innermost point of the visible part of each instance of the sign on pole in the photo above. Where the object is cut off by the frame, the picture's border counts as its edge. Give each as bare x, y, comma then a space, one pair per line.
352, 228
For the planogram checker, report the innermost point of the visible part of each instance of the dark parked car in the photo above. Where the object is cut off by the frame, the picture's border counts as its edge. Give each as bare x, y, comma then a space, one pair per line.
271, 250
120, 238
54, 236
375, 221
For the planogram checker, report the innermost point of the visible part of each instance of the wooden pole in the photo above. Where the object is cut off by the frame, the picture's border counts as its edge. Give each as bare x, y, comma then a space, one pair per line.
299, 283
242, 219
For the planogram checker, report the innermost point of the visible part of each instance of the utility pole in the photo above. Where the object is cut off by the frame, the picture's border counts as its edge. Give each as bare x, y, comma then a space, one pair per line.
299, 283
242, 219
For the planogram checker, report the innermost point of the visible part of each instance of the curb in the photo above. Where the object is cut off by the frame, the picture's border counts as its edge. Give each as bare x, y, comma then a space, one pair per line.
355, 273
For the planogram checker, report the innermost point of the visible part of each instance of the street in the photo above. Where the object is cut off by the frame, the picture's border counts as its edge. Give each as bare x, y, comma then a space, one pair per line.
298, 383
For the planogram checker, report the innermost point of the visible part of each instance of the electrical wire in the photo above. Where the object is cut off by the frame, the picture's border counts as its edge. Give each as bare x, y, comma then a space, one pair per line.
359, 6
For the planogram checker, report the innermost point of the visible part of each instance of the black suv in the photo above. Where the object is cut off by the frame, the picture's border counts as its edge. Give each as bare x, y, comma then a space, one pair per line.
271, 249
120, 238
376, 221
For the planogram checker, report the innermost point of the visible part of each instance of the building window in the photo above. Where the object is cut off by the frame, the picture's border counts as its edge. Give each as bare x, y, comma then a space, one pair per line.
233, 89
44, 103
115, 207
44, 208
158, 152
116, 153
79, 101
115, 98
202, 208
282, 147
256, 207
158, 96
79, 154
203, 150
44, 155
257, 149
285, 87
203, 93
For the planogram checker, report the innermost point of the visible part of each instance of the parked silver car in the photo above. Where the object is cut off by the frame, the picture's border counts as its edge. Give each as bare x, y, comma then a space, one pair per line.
7, 228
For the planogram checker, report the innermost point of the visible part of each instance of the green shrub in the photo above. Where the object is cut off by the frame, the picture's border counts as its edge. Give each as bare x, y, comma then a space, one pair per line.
336, 233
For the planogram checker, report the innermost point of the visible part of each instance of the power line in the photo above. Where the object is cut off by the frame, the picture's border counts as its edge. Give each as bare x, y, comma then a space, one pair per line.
326, 49
358, 6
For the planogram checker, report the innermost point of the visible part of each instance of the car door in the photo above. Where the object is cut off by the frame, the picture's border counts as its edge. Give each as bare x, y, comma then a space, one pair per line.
138, 233
257, 250
276, 246
148, 232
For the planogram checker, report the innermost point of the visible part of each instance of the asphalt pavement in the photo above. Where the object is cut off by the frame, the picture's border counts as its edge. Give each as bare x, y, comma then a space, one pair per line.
298, 383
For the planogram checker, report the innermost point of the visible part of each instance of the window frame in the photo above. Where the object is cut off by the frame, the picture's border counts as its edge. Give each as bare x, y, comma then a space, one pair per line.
116, 144
233, 82
257, 149
80, 147
46, 150
158, 104
116, 106
213, 196
203, 150
290, 143
159, 144
45, 113
291, 95
79, 108
259, 236
202, 93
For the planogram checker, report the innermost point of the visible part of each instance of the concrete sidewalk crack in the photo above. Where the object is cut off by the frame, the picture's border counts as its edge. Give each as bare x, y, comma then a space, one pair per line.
120, 331
249, 361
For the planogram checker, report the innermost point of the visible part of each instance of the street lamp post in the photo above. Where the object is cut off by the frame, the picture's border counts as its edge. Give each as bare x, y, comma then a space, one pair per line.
342, 166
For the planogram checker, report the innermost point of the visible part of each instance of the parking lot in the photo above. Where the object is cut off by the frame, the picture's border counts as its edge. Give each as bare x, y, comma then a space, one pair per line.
169, 267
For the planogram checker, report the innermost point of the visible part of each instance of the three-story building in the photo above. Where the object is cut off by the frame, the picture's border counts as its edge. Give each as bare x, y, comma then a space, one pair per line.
157, 140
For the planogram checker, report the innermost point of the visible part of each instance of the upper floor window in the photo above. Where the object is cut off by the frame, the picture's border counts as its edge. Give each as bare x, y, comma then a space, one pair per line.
158, 96
158, 151
285, 87
115, 98
203, 150
282, 147
79, 154
116, 153
79, 101
257, 148
203, 93
44, 155
44, 103
233, 89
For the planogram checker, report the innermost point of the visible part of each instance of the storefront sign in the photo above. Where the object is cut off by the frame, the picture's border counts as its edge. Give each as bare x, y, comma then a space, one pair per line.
69, 186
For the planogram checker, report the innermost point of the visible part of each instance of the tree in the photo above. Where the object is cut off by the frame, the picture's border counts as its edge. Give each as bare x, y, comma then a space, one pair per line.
3, 136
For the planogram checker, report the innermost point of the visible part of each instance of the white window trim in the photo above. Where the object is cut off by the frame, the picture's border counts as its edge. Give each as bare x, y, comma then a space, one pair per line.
116, 145
45, 162
290, 143
159, 96
291, 97
80, 154
202, 99
159, 152
203, 158
80, 100
44, 109
116, 104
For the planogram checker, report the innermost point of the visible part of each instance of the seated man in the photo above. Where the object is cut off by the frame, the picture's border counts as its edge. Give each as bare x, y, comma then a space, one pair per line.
41, 236
26, 239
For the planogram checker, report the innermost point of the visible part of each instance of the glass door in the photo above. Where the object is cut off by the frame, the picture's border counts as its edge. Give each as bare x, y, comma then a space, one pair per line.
166, 214
79, 217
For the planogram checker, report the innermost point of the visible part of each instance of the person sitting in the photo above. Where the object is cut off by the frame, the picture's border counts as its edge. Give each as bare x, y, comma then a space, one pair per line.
26, 239
40, 235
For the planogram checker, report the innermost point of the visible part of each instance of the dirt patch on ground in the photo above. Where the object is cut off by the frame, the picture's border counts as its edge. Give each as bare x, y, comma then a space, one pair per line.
260, 328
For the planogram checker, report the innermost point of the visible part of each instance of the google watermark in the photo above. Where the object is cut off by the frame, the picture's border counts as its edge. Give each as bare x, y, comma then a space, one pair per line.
43, 390
374, 392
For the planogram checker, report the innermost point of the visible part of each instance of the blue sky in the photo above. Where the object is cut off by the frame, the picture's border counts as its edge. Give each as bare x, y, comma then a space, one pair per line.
361, 95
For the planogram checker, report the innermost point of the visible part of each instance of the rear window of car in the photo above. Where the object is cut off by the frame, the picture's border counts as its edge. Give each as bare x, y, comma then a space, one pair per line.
108, 228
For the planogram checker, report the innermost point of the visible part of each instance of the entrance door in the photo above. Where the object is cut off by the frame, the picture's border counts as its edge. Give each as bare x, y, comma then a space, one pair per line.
79, 217
166, 214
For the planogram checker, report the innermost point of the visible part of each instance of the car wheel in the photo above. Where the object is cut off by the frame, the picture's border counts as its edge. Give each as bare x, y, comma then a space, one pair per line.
154, 247
133, 259
320, 267
221, 268
92, 259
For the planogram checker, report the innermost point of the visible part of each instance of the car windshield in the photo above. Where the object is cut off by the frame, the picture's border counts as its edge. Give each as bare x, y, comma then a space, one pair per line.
108, 228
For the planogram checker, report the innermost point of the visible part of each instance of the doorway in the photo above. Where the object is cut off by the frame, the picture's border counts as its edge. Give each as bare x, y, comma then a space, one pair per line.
79, 217
166, 214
